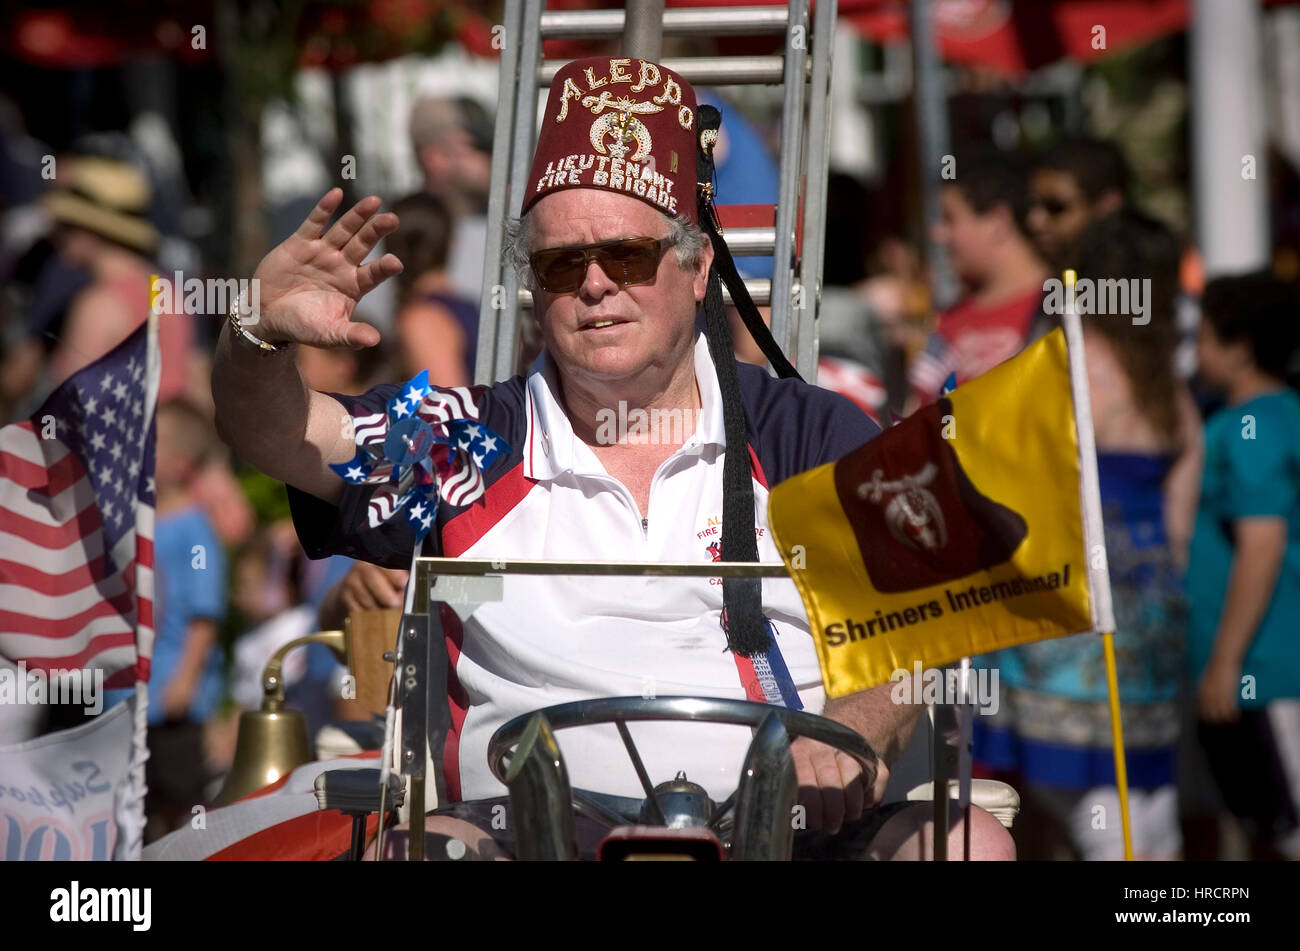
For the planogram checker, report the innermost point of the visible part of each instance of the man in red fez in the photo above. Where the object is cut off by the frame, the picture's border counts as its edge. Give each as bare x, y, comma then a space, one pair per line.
617, 447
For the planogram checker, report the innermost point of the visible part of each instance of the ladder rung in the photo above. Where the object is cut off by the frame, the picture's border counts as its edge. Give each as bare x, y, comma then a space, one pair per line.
708, 70
760, 289
750, 242
714, 21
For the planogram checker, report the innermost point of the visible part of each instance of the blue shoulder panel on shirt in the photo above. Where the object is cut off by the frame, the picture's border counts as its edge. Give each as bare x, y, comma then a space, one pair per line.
795, 426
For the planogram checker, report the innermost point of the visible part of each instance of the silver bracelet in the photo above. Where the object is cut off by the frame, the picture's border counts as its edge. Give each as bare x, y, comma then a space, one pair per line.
243, 335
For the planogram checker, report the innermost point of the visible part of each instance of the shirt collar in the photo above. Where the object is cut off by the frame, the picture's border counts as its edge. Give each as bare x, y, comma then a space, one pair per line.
552, 448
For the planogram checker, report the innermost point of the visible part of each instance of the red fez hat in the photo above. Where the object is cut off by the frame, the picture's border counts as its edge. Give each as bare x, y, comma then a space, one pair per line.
622, 125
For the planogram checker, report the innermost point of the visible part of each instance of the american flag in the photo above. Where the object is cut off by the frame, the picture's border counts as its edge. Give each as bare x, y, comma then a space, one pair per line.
931, 367
77, 518
857, 382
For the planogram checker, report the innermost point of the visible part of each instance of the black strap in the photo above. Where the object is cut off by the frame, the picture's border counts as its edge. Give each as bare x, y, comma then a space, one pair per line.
709, 122
726, 267
742, 598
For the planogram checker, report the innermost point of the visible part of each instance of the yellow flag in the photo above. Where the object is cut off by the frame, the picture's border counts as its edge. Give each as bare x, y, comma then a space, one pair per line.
960, 530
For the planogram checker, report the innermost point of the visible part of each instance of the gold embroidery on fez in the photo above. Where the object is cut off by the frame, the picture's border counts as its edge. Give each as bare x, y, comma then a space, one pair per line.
571, 91
672, 93
606, 100
649, 76
616, 73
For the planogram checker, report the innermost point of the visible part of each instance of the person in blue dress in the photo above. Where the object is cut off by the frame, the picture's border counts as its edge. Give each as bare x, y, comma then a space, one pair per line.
1052, 730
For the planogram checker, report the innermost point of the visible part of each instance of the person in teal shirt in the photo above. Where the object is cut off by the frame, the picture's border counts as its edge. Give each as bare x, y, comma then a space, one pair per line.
1243, 577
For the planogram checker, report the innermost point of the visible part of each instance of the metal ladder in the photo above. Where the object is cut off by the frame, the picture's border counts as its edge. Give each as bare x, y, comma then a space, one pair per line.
795, 240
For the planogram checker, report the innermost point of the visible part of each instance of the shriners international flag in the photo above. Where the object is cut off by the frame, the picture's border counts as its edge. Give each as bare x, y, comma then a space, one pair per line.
970, 526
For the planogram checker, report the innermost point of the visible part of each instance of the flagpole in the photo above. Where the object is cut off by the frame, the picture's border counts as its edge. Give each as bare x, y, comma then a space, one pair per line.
1117, 743
939, 724
964, 763
964, 713
1094, 535
133, 810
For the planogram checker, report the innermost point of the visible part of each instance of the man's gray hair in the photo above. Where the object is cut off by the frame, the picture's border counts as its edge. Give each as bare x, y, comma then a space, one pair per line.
688, 244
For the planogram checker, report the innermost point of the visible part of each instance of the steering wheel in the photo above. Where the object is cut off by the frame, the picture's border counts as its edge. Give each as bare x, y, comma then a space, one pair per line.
765, 775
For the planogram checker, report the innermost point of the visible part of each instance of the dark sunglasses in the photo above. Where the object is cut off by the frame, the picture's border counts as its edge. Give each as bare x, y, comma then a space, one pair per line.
1053, 206
626, 262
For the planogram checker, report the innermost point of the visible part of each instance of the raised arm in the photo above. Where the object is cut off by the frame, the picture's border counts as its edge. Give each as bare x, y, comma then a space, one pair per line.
308, 287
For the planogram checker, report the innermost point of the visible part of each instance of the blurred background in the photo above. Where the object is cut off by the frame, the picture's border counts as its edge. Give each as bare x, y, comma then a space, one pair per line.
151, 138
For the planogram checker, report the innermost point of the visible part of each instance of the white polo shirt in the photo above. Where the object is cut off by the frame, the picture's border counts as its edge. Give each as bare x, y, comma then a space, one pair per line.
558, 639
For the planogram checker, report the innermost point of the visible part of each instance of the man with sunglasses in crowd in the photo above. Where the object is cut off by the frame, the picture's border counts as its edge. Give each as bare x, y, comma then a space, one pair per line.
1074, 183
611, 246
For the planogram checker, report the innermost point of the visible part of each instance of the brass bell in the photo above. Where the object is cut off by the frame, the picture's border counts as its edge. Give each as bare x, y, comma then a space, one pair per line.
273, 741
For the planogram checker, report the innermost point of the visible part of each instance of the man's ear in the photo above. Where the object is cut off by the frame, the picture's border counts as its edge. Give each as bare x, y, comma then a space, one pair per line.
701, 279
1005, 220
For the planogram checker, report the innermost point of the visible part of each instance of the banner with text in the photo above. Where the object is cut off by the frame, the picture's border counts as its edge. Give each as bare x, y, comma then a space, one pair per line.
69, 796
958, 531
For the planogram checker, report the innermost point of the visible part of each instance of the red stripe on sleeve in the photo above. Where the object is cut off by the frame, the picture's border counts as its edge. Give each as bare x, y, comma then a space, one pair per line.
756, 467
460, 534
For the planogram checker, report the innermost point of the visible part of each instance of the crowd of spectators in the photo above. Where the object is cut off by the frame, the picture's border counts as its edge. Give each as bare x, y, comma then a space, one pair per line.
1199, 465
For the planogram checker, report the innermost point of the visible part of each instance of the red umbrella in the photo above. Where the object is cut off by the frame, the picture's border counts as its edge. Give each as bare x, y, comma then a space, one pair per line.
69, 34
1014, 38
1008, 36
71, 38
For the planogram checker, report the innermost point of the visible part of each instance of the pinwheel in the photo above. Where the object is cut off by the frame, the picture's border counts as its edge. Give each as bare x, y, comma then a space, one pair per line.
427, 447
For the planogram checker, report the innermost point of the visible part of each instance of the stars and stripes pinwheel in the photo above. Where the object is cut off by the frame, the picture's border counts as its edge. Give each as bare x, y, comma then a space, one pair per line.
425, 448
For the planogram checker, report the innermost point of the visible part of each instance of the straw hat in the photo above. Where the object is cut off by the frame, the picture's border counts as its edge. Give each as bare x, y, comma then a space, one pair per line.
106, 197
